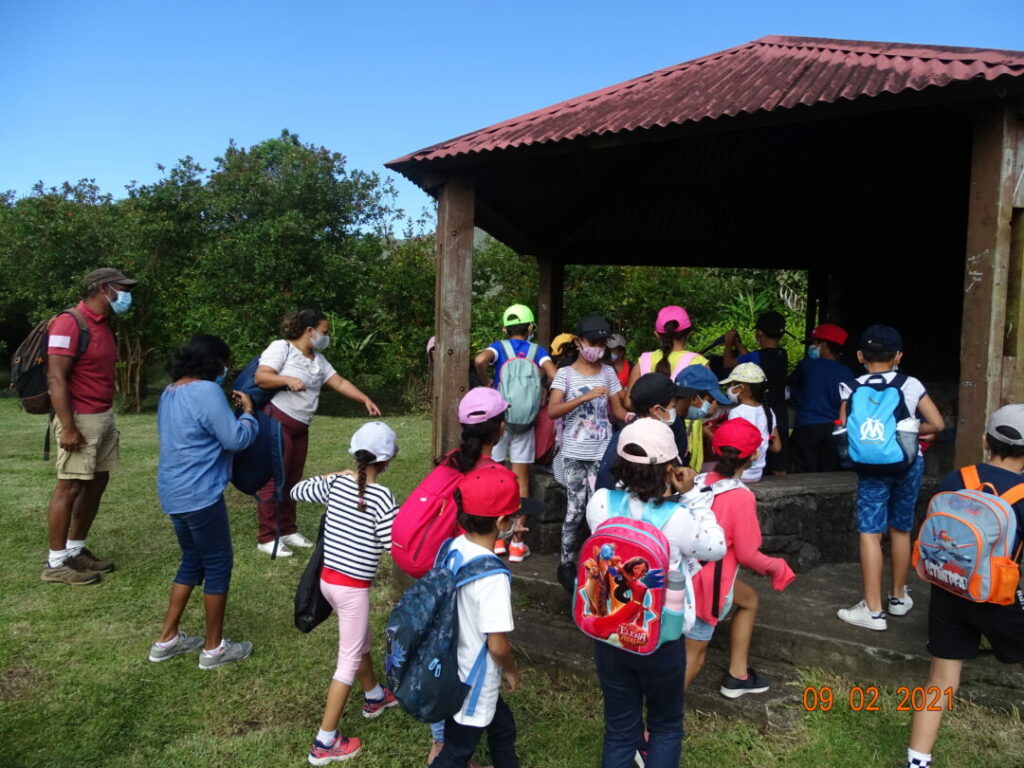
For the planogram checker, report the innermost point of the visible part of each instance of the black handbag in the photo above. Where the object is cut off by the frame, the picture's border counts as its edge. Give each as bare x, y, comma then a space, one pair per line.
311, 607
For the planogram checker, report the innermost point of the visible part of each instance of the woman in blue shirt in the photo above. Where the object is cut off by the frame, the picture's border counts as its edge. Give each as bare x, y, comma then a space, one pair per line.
198, 433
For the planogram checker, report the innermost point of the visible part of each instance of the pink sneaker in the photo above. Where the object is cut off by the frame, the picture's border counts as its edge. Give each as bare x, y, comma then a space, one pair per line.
341, 749
375, 707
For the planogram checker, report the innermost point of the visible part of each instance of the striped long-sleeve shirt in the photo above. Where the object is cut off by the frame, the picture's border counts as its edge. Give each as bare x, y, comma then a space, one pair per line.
353, 539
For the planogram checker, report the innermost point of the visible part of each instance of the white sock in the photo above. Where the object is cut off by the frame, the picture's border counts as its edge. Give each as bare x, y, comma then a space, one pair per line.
918, 759
57, 557
375, 695
170, 642
75, 546
216, 651
326, 737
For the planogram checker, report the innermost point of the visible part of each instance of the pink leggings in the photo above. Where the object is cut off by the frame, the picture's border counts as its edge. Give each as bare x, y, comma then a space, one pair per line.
352, 604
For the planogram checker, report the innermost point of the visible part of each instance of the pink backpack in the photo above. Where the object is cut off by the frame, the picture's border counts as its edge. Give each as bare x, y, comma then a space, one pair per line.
620, 586
646, 367
425, 520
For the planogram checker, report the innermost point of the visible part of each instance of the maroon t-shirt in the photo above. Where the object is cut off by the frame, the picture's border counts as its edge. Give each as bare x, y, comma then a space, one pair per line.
92, 376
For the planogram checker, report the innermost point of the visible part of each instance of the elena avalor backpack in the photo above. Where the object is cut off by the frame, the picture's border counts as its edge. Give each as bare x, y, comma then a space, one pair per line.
965, 542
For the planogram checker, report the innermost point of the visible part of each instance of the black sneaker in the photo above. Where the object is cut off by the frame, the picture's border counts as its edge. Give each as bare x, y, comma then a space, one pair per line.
567, 576
733, 688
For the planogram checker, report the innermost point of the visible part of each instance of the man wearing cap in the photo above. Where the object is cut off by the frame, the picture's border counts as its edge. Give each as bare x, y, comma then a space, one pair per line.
772, 359
655, 396
815, 389
82, 393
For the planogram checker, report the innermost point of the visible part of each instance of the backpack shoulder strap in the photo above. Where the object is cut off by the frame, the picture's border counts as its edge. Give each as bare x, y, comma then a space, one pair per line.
83, 328
618, 503
684, 361
645, 362
510, 352
898, 380
971, 478
1013, 495
531, 353
478, 567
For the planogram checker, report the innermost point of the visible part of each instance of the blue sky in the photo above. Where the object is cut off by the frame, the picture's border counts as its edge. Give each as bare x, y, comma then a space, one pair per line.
107, 90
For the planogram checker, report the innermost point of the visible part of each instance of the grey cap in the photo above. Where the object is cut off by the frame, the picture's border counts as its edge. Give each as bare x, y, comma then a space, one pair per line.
616, 340
1007, 424
108, 275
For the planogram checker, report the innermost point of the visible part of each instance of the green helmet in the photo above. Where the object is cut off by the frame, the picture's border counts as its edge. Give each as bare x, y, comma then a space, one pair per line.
516, 314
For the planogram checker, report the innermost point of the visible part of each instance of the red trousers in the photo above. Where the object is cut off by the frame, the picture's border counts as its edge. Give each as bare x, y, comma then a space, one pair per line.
295, 436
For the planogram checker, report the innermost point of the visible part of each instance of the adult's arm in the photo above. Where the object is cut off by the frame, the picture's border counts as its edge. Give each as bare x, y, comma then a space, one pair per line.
347, 389
58, 376
272, 361
234, 434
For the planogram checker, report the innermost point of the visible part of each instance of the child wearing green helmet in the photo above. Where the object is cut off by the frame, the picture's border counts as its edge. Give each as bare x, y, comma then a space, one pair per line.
524, 389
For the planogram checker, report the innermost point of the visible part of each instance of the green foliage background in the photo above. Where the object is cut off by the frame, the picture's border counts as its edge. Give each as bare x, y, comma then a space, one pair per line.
284, 225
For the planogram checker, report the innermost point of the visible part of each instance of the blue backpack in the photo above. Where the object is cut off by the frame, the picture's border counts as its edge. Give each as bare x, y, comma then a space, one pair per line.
422, 637
874, 409
245, 382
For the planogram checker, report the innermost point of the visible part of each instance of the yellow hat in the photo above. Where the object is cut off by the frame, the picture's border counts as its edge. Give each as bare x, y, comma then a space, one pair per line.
560, 341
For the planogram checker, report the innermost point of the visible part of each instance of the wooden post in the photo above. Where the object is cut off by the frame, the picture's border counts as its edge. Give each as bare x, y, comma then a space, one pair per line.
984, 367
452, 308
550, 299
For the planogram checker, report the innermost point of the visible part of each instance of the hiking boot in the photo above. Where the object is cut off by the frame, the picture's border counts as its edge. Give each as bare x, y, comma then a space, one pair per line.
90, 562
182, 644
232, 652
376, 707
341, 749
296, 540
733, 687
518, 551
268, 547
860, 616
69, 572
499, 547
567, 576
900, 606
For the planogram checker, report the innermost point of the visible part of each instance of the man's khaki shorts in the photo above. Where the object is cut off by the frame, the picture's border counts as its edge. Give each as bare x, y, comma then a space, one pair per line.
99, 454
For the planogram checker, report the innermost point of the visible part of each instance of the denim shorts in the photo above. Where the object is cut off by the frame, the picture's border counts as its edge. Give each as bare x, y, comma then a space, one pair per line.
206, 553
888, 502
701, 631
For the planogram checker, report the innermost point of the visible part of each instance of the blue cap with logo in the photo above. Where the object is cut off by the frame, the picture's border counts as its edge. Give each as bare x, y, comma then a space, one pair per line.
702, 379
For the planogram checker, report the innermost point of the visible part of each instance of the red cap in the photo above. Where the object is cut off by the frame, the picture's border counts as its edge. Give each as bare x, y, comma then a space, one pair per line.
829, 332
491, 491
739, 434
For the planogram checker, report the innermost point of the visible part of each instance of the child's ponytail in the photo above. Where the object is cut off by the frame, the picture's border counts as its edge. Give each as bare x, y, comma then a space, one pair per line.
363, 460
667, 338
471, 446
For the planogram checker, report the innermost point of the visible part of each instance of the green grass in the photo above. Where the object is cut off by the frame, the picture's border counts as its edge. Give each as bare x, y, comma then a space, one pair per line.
76, 688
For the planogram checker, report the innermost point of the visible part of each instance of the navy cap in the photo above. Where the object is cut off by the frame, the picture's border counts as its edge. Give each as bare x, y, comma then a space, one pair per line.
653, 389
702, 379
881, 338
592, 328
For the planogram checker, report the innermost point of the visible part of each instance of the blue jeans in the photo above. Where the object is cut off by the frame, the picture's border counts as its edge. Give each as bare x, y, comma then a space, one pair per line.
206, 554
627, 680
888, 502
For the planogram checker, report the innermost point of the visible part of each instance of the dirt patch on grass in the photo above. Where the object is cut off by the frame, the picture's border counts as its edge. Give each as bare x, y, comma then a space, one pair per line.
20, 683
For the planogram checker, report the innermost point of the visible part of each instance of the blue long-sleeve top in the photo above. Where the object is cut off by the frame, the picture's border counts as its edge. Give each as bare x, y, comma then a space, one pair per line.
198, 432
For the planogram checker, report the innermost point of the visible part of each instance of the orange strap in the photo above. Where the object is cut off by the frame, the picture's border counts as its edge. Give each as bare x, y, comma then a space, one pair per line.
971, 478
1014, 495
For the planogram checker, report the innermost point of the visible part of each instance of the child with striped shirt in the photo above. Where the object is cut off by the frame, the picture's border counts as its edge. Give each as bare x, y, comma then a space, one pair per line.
357, 530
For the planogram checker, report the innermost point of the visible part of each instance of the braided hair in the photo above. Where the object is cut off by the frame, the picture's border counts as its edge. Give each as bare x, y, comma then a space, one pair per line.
668, 338
363, 460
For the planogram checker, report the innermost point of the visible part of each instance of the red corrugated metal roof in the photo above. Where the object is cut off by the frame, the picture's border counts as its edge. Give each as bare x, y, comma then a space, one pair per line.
771, 73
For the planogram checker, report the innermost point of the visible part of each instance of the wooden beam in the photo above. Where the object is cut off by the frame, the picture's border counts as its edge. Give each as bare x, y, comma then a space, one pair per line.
452, 307
995, 148
549, 299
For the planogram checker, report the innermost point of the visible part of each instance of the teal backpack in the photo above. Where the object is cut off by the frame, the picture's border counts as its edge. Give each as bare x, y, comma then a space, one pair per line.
520, 386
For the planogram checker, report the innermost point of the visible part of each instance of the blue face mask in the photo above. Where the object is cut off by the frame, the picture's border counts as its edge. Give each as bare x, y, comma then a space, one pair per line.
122, 303
695, 414
220, 379
814, 353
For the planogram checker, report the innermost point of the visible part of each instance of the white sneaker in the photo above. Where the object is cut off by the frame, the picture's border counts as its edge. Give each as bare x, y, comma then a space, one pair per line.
268, 547
296, 540
900, 606
860, 616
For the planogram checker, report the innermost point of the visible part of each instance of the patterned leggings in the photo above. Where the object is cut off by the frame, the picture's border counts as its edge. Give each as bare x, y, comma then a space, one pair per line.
580, 478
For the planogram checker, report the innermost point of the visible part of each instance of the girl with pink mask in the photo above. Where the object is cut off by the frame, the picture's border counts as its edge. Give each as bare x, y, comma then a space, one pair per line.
588, 395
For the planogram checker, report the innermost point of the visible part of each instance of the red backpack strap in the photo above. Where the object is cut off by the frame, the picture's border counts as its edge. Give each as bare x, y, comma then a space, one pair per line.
971, 478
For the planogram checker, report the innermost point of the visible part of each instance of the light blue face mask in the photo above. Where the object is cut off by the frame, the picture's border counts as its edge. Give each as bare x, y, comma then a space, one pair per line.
220, 379
813, 352
122, 303
699, 414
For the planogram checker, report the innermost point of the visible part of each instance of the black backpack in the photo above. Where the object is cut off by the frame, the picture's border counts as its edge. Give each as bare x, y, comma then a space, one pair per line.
28, 364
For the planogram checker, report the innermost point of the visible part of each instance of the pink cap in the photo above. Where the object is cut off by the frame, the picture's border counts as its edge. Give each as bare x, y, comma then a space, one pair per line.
480, 404
668, 314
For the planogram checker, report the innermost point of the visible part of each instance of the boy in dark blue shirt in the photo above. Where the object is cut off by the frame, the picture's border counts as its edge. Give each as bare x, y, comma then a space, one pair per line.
814, 385
955, 625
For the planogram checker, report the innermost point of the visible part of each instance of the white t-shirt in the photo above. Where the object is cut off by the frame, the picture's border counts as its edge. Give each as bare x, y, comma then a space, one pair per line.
689, 534
485, 605
913, 390
587, 429
287, 360
755, 415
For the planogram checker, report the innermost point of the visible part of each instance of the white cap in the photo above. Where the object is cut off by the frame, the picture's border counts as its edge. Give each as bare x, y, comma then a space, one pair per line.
1007, 424
377, 438
653, 437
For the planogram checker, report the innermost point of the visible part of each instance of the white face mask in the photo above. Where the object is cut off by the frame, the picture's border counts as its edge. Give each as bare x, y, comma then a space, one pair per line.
733, 395
506, 535
320, 340
671, 416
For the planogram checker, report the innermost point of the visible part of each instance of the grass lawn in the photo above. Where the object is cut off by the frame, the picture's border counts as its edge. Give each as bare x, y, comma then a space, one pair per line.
76, 688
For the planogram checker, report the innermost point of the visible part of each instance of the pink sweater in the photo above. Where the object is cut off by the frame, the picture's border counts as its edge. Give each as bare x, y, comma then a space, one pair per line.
736, 512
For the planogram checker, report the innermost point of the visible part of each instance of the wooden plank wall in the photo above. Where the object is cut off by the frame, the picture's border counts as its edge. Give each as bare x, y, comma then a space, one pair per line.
452, 308
992, 346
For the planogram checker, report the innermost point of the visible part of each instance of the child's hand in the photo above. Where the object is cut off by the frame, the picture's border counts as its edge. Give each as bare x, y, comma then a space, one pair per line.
596, 392
511, 678
681, 478
344, 472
